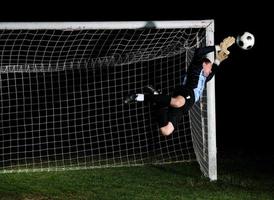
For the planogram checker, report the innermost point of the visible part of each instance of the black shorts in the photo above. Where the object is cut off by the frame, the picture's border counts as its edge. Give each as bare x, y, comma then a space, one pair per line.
189, 96
174, 115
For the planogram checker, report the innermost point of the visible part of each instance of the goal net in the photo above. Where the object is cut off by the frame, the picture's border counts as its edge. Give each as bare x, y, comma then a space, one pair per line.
62, 90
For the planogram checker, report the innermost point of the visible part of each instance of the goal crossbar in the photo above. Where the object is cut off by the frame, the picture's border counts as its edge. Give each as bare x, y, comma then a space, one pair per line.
107, 25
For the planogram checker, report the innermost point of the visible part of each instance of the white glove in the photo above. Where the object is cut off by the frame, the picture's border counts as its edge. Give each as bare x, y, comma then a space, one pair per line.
226, 43
221, 56
222, 52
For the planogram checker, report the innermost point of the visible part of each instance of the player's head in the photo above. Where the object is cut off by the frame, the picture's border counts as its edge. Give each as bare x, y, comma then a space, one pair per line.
207, 66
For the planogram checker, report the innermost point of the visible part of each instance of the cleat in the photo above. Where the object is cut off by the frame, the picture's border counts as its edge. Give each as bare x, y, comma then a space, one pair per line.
149, 89
130, 99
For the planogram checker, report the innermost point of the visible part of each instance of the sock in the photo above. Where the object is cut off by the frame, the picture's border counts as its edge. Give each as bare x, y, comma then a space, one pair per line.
160, 99
140, 97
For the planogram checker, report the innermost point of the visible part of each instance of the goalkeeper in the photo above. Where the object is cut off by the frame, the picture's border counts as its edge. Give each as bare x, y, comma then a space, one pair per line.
170, 108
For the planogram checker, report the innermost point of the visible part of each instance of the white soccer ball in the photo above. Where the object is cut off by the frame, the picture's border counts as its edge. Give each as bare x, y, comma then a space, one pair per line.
245, 41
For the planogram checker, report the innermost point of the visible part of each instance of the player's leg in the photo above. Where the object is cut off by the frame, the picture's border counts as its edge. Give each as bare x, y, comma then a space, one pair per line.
161, 115
181, 102
173, 117
160, 99
182, 98
150, 95
177, 102
167, 129
154, 96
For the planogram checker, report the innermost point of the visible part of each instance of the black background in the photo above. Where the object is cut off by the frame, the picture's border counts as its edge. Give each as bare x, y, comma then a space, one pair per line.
243, 87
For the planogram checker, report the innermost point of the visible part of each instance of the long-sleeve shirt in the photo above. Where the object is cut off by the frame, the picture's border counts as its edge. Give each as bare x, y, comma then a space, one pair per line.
195, 79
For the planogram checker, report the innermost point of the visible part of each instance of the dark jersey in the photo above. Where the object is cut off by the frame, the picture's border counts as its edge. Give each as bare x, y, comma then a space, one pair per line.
196, 66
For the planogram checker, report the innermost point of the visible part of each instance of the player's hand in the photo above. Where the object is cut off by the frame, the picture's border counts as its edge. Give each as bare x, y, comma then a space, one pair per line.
226, 43
222, 55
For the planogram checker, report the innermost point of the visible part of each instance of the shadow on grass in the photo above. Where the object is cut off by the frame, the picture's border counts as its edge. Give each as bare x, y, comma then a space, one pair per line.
253, 171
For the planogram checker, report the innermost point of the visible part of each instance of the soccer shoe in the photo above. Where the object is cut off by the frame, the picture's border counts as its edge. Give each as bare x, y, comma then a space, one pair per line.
149, 89
131, 99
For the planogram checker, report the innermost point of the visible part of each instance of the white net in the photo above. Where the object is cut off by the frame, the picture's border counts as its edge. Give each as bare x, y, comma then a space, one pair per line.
62, 98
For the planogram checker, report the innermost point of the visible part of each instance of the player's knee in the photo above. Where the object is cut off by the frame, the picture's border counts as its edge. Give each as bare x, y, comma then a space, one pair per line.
167, 130
178, 101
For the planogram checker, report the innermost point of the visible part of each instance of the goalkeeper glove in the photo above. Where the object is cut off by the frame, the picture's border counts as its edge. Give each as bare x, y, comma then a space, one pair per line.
221, 56
226, 43
222, 52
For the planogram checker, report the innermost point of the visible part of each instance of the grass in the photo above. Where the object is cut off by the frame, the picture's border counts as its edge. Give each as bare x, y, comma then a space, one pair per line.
237, 179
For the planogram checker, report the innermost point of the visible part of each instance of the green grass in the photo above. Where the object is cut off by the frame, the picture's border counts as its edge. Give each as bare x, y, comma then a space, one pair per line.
236, 180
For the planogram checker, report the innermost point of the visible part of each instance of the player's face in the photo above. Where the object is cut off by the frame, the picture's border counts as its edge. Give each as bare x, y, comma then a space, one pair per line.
207, 66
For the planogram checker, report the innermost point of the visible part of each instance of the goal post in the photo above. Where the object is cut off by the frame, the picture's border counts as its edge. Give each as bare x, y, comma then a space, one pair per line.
211, 110
62, 86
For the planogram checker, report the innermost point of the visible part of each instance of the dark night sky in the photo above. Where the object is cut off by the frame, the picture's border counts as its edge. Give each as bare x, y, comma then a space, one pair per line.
244, 110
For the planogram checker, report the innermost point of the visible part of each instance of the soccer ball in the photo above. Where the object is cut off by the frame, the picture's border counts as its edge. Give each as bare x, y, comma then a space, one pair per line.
245, 41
